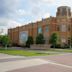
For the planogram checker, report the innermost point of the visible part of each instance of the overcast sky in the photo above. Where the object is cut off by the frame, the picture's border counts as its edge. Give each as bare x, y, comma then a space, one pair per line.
20, 12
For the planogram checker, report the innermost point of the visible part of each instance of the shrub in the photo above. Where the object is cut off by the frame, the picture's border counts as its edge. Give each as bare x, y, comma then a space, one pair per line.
1, 39
65, 46
29, 41
70, 41
56, 46
53, 39
40, 39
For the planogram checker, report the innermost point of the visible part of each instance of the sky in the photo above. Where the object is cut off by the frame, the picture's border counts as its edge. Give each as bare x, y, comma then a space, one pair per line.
15, 13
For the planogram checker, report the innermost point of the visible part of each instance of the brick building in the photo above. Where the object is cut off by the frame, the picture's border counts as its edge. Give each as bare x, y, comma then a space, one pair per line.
61, 24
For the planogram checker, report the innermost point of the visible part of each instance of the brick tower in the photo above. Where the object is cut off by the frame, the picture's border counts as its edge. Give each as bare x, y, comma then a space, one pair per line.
63, 11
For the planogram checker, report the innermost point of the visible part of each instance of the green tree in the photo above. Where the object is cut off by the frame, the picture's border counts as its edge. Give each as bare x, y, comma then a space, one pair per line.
1, 39
29, 41
5, 41
70, 42
40, 39
53, 39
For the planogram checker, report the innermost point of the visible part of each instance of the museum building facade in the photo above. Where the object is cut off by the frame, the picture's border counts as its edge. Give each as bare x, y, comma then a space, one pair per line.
61, 24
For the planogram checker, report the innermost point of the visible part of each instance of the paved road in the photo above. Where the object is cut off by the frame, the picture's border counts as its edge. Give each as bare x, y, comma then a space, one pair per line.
58, 63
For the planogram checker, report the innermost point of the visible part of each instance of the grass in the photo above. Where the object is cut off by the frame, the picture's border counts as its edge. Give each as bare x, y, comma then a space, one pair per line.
61, 50
34, 52
23, 53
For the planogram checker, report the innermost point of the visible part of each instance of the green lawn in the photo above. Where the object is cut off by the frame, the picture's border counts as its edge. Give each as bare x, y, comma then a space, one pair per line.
34, 52
23, 53
61, 50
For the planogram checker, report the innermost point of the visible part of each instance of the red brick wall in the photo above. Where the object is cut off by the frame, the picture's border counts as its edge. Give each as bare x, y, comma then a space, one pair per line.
32, 28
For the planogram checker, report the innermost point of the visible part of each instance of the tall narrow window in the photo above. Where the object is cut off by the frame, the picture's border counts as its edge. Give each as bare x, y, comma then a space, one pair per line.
58, 28
46, 28
68, 27
39, 29
64, 12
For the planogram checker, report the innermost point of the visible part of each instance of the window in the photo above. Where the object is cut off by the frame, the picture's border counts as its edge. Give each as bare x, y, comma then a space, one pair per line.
39, 30
58, 28
46, 28
63, 28
68, 27
63, 40
64, 11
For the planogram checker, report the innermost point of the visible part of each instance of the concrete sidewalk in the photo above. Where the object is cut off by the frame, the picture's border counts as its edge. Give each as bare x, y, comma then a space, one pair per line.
4, 56
58, 63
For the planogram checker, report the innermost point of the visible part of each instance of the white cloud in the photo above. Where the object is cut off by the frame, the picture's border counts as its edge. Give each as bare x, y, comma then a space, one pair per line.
21, 13
12, 24
46, 15
8, 6
42, 1
6, 24
3, 22
37, 10
64, 3
49, 1
11, 5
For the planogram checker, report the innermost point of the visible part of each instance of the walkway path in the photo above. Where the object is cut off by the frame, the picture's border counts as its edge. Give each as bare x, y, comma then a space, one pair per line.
58, 63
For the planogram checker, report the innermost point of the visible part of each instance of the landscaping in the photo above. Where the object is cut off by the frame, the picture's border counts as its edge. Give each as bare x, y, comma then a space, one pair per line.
35, 52
5, 42
23, 52
62, 50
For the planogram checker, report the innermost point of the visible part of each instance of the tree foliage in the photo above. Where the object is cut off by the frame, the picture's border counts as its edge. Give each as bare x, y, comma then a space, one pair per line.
4, 40
1, 39
40, 39
53, 39
70, 41
29, 41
